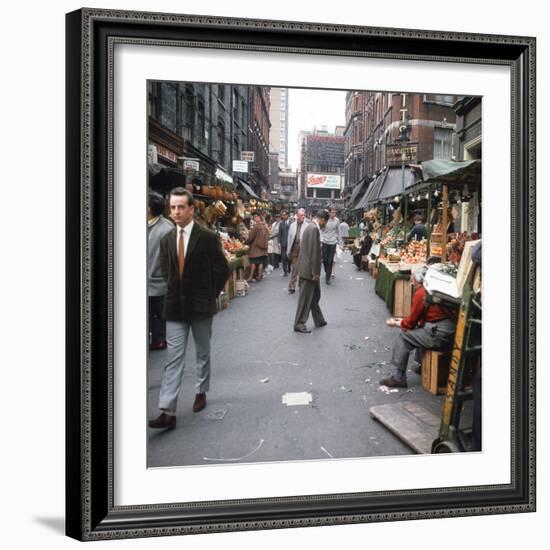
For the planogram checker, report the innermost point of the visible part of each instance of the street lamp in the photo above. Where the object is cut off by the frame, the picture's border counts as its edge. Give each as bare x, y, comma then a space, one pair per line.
402, 139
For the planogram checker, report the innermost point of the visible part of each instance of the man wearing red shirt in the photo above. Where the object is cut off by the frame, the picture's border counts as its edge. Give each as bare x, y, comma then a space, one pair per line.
428, 326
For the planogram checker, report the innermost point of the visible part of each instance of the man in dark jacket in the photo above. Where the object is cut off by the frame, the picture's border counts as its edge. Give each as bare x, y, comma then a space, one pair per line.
157, 227
283, 238
419, 231
195, 270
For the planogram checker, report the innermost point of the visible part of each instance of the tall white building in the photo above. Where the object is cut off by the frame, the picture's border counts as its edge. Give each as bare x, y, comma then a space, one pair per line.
278, 133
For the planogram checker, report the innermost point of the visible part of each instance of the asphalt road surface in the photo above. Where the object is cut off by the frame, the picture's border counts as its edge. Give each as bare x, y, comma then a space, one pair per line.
257, 360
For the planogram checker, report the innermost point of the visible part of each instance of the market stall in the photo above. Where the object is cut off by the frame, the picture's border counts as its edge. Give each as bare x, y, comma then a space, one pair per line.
397, 256
449, 184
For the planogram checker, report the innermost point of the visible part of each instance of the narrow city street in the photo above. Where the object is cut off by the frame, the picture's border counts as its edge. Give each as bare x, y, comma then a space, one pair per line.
257, 359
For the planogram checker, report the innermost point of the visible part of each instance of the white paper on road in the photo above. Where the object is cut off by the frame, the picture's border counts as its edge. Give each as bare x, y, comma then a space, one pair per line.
297, 398
326, 452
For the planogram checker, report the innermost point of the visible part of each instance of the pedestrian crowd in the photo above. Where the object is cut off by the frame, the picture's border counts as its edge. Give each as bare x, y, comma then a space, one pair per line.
187, 270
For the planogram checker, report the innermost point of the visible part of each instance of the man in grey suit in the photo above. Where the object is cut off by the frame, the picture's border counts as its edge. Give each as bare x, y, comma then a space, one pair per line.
293, 246
308, 268
195, 269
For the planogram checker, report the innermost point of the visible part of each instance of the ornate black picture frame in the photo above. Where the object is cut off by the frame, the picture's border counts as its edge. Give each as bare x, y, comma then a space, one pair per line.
90, 510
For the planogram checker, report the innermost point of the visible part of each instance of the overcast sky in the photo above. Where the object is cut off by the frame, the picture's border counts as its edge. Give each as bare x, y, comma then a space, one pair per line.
309, 108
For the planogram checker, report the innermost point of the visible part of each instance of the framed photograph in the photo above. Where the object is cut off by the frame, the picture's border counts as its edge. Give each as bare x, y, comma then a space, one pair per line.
228, 177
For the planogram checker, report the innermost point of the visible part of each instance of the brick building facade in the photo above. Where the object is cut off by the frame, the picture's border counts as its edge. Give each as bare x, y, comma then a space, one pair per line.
322, 154
373, 121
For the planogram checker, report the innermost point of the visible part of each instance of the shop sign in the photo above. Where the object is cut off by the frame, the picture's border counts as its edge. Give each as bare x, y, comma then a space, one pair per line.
247, 156
240, 166
191, 165
166, 153
323, 181
396, 155
153, 154
224, 176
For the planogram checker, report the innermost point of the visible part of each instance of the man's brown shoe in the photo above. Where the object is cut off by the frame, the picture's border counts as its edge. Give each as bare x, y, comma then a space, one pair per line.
200, 402
164, 421
393, 382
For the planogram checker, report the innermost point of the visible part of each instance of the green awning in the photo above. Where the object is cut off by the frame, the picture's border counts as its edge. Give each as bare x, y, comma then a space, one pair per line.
451, 171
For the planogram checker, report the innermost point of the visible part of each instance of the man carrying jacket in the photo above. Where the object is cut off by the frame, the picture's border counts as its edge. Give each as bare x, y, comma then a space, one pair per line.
195, 270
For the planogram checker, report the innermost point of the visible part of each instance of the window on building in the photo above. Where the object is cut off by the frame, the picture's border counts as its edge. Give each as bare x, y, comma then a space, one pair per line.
243, 114
439, 99
235, 105
201, 124
442, 143
188, 117
221, 142
324, 193
153, 99
445, 99
221, 93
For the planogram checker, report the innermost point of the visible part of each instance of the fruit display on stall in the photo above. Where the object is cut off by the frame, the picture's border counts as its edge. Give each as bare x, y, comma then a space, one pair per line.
436, 250
394, 258
455, 247
415, 252
388, 241
235, 247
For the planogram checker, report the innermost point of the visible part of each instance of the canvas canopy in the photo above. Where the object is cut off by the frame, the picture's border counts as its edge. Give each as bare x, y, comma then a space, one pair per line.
451, 171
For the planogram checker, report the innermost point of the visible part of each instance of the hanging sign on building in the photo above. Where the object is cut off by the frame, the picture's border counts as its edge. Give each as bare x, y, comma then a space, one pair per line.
166, 153
247, 156
396, 155
323, 181
191, 164
240, 166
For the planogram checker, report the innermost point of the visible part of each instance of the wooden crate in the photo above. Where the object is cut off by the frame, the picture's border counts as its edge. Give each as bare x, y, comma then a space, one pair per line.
402, 298
435, 371
372, 267
227, 288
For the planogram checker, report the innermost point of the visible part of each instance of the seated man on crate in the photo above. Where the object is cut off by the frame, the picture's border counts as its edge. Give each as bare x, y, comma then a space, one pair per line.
428, 326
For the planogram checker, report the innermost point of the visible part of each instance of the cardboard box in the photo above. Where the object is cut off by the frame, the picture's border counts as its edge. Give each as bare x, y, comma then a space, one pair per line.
466, 266
435, 371
402, 299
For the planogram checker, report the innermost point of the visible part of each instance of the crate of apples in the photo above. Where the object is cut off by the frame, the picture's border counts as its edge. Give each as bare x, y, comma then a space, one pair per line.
415, 252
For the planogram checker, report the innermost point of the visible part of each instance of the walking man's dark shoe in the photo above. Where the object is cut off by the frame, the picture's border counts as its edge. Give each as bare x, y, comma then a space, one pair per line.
393, 382
200, 402
163, 422
323, 324
158, 346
